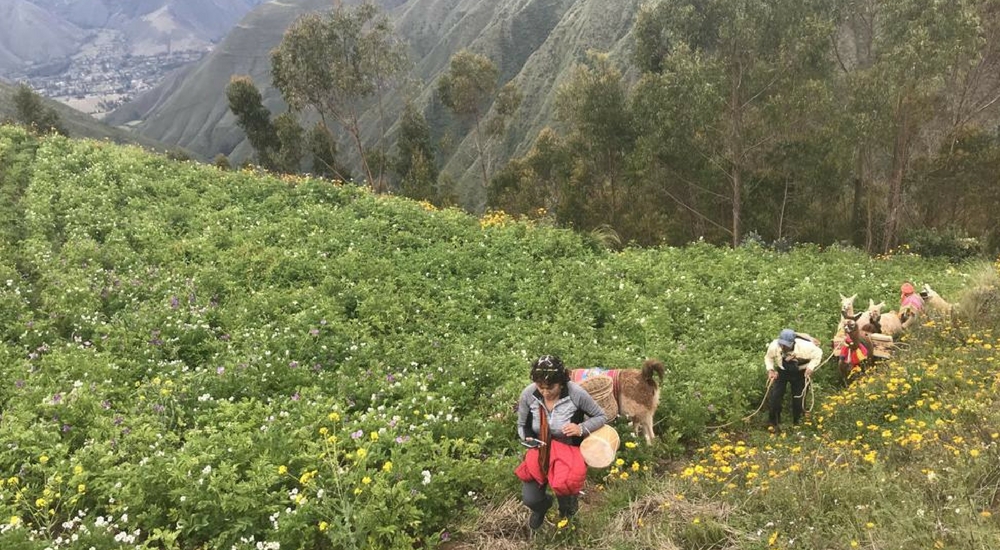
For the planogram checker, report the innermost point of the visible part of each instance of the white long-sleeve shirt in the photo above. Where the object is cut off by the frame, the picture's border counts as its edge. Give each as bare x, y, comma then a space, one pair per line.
805, 353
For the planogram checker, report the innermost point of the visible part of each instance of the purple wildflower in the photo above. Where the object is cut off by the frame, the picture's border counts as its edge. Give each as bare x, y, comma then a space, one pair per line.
66, 428
56, 398
357, 434
296, 396
174, 302
314, 332
293, 365
220, 370
19, 384
106, 404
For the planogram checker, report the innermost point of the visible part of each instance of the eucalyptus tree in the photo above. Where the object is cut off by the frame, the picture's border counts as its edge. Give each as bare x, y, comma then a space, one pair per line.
414, 162
593, 103
336, 63
537, 183
470, 88
744, 68
899, 60
254, 119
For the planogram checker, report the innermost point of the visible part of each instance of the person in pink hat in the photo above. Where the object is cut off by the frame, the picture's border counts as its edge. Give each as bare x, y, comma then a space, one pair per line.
909, 299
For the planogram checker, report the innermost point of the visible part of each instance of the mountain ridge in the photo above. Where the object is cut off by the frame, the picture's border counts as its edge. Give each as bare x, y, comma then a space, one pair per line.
534, 43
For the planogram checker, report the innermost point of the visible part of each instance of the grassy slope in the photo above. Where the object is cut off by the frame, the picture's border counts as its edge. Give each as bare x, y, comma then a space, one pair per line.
199, 304
906, 458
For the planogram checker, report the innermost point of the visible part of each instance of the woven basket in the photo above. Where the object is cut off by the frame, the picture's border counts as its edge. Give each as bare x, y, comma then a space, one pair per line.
602, 389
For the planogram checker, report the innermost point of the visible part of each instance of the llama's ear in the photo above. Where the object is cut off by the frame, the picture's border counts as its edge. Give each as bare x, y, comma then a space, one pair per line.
853, 297
871, 303
858, 315
880, 306
842, 297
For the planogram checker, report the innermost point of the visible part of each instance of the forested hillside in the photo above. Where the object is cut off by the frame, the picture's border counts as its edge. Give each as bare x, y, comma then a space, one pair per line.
874, 123
194, 358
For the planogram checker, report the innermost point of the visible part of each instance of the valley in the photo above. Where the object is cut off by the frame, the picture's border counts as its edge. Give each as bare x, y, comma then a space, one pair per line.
107, 72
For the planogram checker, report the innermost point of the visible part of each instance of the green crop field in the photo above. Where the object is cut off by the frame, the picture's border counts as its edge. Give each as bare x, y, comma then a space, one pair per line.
195, 359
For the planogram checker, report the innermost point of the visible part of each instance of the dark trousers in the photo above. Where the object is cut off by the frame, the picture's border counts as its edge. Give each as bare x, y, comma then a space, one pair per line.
535, 498
797, 379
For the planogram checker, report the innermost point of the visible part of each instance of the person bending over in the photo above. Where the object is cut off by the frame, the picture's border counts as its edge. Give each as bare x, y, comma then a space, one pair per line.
553, 417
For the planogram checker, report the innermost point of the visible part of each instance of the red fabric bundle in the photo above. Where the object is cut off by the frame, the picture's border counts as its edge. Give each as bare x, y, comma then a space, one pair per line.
567, 470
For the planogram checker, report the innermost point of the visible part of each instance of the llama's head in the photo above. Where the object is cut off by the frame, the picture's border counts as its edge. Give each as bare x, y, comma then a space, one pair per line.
847, 305
851, 326
927, 292
875, 310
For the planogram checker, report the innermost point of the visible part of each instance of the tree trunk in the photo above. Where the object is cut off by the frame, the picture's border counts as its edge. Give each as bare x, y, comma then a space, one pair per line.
355, 132
781, 216
900, 158
858, 234
737, 205
482, 157
736, 148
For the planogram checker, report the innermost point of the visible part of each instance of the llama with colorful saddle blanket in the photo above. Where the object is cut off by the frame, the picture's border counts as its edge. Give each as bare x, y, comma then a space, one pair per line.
635, 391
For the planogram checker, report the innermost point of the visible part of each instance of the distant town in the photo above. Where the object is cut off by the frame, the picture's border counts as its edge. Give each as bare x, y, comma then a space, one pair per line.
100, 79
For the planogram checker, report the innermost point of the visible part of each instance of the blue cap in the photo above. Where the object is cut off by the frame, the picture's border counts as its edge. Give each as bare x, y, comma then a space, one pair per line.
787, 338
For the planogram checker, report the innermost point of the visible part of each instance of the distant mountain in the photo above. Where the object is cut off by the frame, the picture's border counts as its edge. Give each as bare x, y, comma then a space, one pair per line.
30, 35
34, 32
536, 43
79, 124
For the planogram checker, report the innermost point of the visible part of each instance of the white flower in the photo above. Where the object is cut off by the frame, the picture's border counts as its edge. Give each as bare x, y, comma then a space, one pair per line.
427, 477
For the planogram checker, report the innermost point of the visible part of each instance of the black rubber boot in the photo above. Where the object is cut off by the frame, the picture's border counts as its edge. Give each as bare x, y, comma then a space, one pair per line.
568, 506
538, 513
